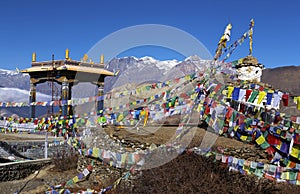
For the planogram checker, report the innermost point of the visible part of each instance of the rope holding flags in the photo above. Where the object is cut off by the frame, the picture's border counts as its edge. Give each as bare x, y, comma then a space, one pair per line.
230, 49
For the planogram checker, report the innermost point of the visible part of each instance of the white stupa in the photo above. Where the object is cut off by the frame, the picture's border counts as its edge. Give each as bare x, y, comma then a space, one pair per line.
249, 69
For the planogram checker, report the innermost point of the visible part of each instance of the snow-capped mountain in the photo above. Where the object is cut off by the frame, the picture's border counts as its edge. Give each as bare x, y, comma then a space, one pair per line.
162, 65
14, 79
148, 69
8, 72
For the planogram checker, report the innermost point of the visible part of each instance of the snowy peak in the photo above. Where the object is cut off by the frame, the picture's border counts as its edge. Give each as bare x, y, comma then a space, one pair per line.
163, 65
9, 72
193, 58
142, 62
147, 60
149, 69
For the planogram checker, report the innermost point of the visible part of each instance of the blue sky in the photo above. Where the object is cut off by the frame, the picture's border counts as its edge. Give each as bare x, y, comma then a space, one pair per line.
49, 27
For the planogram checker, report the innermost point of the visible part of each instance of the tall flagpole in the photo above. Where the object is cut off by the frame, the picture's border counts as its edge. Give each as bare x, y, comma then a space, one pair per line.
251, 36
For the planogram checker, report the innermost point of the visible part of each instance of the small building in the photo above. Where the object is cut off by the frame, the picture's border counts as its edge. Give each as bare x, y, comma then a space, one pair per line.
65, 73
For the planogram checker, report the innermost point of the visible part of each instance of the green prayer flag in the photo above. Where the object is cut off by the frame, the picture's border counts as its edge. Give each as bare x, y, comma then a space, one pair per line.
265, 145
259, 172
253, 96
293, 175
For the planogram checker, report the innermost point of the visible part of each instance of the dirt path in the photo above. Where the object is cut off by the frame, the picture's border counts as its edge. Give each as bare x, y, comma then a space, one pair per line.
161, 135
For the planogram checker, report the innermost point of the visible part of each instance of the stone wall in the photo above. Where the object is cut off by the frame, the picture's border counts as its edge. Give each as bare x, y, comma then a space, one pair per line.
36, 150
19, 170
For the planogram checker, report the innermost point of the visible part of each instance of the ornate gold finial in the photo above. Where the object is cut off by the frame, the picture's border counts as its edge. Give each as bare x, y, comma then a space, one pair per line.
33, 58
102, 59
85, 57
67, 54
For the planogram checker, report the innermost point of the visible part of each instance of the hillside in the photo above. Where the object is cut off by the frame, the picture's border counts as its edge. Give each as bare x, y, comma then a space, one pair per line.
283, 78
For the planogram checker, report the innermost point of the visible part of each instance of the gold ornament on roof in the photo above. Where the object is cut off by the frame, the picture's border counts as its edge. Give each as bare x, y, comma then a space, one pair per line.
85, 58
67, 54
33, 59
102, 59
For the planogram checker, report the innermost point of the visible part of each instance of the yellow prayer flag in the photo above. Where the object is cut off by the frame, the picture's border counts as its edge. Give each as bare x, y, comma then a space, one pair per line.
118, 181
246, 167
295, 99
278, 146
244, 137
75, 179
221, 131
120, 117
298, 102
295, 152
235, 128
260, 140
212, 94
95, 153
287, 175
230, 90
146, 118
224, 92
199, 107
284, 176
123, 158
249, 129
261, 96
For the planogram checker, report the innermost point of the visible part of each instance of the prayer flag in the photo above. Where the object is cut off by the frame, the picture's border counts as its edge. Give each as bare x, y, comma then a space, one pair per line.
260, 140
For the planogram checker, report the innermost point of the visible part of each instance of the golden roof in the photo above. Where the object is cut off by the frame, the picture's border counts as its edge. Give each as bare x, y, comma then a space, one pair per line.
68, 65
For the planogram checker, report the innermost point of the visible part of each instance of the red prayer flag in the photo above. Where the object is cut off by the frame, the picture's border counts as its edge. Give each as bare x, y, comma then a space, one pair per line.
272, 140
285, 99
248, 92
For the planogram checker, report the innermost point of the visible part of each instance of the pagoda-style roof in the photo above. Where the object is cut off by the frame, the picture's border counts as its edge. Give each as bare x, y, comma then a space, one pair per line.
59, 70
66, 73
69, 65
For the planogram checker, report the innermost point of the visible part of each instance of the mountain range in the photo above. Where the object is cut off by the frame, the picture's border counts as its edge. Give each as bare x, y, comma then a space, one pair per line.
14, 86
148, 69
